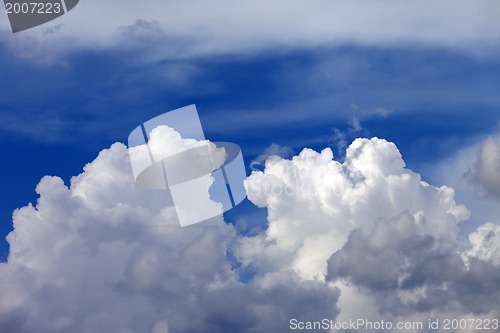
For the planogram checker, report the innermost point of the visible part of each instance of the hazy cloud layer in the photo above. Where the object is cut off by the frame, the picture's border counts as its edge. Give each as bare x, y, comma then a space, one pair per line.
183, 29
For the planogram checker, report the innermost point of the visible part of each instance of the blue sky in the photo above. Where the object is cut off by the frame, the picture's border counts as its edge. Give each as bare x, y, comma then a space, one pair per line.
438, 102
426, 81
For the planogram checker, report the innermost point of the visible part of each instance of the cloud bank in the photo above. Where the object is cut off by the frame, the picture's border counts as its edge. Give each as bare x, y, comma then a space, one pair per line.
101, 255
194, 28
377, 231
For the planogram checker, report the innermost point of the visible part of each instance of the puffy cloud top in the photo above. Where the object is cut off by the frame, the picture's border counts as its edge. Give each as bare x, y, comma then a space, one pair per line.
314, 202
104, 256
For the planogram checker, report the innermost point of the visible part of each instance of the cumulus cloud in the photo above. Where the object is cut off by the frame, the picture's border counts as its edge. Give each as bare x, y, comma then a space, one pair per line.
366, 237
314, 202
375, 229
485, 244
221, 27
104, 256
410, 271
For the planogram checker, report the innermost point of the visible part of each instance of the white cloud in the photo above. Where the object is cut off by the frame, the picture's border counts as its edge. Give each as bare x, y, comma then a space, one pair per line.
314, 202
376, 230
101, 255
486, 171
485, 243
183, 29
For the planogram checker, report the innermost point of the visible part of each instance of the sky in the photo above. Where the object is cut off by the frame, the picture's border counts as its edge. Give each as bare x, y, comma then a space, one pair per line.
381, 119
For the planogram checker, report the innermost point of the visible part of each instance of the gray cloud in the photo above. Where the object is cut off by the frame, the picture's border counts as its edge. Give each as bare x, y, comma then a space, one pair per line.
486, 171
397, 258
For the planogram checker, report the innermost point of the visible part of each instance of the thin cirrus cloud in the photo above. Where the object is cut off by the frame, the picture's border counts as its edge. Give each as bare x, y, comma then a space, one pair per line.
102, 256
195, 28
